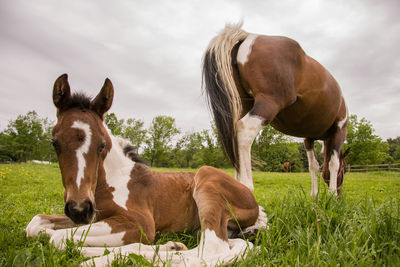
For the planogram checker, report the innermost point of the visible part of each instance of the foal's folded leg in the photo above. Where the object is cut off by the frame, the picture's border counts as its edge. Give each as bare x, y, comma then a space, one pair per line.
159, 253
210, 252
47, 224
114, 231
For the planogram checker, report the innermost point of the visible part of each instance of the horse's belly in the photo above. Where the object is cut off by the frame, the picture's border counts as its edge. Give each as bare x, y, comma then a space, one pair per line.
305, 120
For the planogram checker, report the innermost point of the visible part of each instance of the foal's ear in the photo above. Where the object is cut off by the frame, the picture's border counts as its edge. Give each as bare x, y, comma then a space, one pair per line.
61, 91
103, 101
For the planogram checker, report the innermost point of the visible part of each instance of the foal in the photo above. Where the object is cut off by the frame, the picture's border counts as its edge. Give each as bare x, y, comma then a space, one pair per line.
126, 201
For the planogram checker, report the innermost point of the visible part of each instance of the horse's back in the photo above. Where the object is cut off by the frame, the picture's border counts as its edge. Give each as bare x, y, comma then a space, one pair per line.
278, 72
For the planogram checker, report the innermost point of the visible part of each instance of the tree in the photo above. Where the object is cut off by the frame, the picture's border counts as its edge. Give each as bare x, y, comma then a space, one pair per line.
271, 148
211, 153
366, 147
115, 125
159, 140
133, 130
28, 137
186, 151
394, 148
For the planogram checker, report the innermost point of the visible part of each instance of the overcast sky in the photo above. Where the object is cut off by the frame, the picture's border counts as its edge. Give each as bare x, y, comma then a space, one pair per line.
152, 52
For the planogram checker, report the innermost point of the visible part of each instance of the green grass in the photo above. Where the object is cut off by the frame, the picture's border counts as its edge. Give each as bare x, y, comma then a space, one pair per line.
362, 228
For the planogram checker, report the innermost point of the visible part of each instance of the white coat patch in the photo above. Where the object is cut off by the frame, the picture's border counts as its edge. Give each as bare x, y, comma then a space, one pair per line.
83, 149
334, 165
341, 123
97, 234
116, 176
245, 49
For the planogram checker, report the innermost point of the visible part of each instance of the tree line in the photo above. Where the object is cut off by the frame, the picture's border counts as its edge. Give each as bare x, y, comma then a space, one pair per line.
163, 144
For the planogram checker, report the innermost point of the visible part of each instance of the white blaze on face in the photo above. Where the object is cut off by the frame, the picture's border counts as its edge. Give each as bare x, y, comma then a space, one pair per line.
83, 149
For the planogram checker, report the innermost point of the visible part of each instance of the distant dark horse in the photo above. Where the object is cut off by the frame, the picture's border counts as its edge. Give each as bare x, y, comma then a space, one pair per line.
253, 80
287, 166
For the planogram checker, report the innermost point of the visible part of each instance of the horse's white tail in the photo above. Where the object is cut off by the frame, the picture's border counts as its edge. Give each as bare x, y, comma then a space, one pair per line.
220, 87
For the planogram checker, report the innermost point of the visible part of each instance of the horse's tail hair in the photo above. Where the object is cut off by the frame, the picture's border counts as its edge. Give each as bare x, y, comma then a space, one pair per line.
221, 91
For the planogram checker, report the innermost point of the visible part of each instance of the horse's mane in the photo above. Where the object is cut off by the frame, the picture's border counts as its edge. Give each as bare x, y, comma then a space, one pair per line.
129, 150
78, 100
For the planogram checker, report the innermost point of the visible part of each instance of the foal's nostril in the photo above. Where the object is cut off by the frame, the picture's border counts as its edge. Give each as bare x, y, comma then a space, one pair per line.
79, 213
69, 206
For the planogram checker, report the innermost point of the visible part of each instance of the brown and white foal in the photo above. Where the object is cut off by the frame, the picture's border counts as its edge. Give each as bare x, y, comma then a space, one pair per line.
128, 202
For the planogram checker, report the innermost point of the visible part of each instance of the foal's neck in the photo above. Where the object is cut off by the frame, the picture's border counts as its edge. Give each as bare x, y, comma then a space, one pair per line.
116, 160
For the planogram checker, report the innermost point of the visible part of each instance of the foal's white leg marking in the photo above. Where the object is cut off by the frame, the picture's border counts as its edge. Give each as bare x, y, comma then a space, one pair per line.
245, 48
261, 223
118, 172
99, 235
37, 225
313, 167
210, 252
333, 171
83, 149
247, 129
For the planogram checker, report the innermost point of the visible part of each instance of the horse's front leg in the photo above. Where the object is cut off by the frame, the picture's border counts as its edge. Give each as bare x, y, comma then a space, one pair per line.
114, 231
247, 130
47, 224
332, 154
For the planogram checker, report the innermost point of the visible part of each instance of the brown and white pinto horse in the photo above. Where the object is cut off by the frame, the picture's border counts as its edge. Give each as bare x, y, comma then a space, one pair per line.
126, 201
253, 80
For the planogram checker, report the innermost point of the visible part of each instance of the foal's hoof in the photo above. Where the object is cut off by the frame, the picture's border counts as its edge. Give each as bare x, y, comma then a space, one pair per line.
175, 246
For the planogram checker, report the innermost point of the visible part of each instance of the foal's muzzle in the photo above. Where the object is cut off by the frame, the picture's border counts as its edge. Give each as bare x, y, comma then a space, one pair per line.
79, 213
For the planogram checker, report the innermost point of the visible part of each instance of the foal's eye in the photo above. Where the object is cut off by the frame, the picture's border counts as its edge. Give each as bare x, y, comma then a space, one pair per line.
101, 147
55, 144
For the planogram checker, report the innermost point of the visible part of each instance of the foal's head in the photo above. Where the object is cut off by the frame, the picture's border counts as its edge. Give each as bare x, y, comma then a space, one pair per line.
81, 143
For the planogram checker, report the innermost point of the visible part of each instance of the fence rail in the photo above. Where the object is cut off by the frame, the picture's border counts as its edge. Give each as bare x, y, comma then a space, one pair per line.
374, 167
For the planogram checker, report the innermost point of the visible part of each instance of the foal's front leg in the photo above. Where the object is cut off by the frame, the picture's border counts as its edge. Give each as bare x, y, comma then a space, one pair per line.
48, 224
114, 231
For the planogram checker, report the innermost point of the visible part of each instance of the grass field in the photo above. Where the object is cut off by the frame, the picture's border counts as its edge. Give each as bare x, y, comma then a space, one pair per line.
362, 228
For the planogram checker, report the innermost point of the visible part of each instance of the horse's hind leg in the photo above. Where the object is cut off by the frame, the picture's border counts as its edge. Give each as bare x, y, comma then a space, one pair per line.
313, 165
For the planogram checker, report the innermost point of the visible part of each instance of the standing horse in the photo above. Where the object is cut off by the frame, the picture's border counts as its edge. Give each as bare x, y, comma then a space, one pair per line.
253, 80
287, 166
127, 202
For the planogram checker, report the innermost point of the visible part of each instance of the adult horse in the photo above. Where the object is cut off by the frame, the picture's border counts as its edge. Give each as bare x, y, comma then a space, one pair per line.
253, 80
127, 202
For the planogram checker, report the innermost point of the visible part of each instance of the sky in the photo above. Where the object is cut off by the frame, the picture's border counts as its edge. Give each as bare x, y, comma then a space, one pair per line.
152, 52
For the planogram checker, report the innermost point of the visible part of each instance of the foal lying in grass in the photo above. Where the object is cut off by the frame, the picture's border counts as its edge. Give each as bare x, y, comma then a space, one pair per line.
112, 200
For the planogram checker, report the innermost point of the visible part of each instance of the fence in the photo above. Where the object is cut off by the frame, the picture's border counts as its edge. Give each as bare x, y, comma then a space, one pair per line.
375, 167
